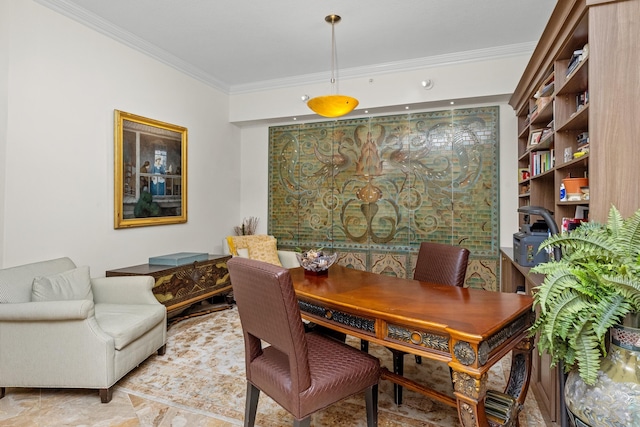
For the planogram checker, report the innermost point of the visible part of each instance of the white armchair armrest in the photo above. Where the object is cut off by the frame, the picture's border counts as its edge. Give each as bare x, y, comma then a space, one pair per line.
123, 290
47, 311
288, 259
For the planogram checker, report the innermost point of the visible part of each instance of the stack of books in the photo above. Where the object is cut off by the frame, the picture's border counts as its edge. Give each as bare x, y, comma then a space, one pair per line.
576, 58
546, 89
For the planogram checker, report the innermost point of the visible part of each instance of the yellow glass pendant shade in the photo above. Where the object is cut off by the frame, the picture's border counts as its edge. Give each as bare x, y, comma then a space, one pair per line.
332, 105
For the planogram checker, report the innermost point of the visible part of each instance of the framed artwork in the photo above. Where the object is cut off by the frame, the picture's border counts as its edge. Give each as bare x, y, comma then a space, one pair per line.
535, 137
150, 179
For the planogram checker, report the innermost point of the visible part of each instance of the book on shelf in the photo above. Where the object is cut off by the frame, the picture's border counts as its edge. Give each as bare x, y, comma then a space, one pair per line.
541, 161
547, 90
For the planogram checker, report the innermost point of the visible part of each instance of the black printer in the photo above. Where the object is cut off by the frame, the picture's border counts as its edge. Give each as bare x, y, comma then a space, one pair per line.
527, 241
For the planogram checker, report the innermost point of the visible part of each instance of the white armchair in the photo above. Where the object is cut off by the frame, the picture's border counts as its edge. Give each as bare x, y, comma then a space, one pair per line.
77, 343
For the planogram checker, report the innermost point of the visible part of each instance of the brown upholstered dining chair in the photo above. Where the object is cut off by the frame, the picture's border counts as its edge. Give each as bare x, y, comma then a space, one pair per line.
302, 372
436, 263
440, 263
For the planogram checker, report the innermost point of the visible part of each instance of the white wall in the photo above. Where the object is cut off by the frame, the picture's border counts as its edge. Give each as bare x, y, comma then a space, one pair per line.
63, 83
4, 108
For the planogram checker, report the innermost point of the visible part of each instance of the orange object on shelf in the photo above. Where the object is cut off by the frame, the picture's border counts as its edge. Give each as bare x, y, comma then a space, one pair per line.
572, 185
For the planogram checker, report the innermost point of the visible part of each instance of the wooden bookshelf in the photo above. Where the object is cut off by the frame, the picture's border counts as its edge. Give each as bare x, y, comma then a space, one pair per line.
596, 96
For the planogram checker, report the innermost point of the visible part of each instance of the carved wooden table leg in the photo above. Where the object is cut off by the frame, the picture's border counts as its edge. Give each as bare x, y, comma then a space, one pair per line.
470, 393
520, 374
478, 406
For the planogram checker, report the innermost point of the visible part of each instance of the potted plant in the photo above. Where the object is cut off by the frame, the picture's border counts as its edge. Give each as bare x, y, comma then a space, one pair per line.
588, 291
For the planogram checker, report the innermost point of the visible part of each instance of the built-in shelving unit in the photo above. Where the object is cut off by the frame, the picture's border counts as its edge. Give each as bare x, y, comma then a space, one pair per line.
553, 141
580, 85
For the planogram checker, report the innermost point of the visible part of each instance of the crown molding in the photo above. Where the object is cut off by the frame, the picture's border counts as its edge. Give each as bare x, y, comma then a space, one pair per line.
95, 22
391, 67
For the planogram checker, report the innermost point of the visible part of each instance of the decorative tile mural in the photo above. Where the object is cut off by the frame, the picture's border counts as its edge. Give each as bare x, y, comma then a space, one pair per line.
372, 189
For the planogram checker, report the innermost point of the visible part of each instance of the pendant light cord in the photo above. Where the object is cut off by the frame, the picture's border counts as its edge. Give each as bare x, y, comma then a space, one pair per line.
334, 89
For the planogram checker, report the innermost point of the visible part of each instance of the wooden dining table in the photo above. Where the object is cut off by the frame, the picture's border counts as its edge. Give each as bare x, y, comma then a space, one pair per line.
469, 329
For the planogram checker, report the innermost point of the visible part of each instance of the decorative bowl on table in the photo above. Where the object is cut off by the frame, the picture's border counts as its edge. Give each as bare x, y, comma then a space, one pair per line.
316, 262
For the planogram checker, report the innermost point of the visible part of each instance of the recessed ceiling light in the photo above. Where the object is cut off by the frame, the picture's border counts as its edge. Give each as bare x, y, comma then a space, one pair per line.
452, 103
304, 98
427, 84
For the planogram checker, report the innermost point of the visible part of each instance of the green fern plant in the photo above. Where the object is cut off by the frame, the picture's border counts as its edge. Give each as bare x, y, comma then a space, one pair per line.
590, 289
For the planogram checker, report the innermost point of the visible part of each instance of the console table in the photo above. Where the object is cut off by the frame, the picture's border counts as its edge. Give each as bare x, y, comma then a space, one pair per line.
178, 287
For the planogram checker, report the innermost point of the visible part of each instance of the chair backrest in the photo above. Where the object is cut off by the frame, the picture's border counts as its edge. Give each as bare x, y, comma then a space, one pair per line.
269, 311
439, 263
16, 282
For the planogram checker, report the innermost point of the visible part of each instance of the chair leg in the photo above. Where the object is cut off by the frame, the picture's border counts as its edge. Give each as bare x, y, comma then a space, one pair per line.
162, 350
251, 407
418, 360
306, 422
106, 394
364, 346
2, 390
398, 368
371, 399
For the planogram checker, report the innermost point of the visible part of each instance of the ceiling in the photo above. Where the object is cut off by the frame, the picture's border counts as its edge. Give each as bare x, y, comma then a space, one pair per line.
245, 45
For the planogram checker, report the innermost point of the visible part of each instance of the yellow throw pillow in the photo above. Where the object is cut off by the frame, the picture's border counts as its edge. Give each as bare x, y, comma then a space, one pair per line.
242, 242
231, 241
264, 250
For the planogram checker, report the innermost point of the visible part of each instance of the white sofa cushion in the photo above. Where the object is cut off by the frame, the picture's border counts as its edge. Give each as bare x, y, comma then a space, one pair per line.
69, 285
126, 323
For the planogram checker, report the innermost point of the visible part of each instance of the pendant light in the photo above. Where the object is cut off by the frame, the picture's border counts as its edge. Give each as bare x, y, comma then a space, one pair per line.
333, 105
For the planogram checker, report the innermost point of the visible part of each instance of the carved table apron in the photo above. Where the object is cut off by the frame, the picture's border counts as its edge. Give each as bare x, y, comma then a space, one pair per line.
467, 328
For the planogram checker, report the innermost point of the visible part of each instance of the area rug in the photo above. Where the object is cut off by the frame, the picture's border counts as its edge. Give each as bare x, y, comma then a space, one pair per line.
203, 371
